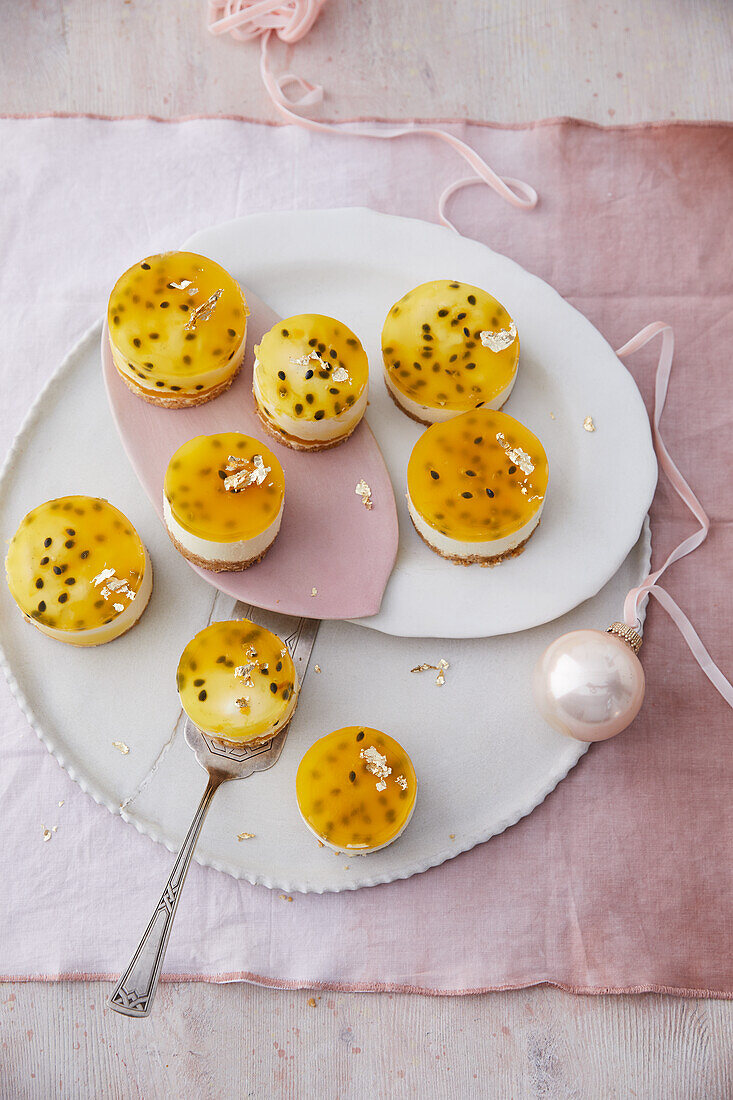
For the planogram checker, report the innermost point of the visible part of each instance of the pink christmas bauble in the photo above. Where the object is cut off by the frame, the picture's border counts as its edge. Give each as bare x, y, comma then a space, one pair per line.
589, 684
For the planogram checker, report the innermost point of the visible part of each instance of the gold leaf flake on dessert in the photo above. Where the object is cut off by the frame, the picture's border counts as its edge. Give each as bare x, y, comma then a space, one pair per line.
183, 285
121, 747
452, 836
285, 897
362, 490
376, 764
47, 834
312, 1002
243, 704
314, 591
401, 782
552, 416
588, 424
500, 340
516, 455
246, 836
305, 360
110, 583
116, 584
381, 785
103, 576
340, 375
242, 473
316, 668
244, 673
204, 311
62, 802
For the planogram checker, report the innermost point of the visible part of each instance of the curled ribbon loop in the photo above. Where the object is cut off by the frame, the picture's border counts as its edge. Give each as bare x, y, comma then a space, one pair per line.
291, 21
649, 586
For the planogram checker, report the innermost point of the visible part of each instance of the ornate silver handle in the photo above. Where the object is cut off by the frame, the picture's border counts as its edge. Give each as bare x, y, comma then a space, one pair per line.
134, 993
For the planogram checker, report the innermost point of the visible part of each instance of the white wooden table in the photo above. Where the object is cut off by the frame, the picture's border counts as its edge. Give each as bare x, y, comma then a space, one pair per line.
506, 61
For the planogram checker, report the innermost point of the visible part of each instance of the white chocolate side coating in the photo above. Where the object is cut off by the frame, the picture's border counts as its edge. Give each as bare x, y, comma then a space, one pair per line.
491, 548
241, 551
428, 414
312, 431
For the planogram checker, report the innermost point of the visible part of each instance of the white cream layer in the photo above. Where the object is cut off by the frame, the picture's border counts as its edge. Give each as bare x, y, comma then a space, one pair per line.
434, 415
241, 551
462, 549
313, 431
359, 851
208, 380
108, 631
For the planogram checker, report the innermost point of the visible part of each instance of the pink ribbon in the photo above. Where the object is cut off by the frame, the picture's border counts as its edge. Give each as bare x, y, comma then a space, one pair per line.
291, 21
649, 586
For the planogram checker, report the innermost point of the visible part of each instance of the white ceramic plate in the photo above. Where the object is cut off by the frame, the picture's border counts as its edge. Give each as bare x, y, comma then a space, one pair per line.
354, 264
483, 755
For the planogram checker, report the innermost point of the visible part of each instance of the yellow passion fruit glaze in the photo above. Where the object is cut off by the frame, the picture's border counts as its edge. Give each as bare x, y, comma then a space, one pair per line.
237, 681
356, 788
438, 346
177, 324
310, 368
195, 487
480, 476
75, 564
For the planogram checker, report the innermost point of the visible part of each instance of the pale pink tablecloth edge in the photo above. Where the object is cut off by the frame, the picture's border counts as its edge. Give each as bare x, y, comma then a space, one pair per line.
385, 987
535, 124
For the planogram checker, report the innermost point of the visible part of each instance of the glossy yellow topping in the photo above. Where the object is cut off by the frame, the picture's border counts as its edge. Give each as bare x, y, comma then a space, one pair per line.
310, 368
207, 503
434, 350
177, 323
480, 476
237, 681
356, 788
75, 564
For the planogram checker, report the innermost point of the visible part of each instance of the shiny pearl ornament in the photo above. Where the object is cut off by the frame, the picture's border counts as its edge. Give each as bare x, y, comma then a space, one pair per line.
589, 684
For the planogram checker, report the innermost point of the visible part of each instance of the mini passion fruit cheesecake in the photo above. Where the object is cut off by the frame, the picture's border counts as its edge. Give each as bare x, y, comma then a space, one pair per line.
476, 486
310, 383
237, 682
223, 500
78, 570
448, 347
177, 327
356, 789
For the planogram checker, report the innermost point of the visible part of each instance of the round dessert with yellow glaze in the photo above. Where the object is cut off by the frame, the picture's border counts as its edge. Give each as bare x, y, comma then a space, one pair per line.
237, 682
78, 570
356, 789
448, 347
223, 500
310, 383
476, 486
177, 327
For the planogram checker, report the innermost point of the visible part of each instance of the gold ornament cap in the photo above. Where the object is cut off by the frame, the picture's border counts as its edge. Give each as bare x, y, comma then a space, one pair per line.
626, 634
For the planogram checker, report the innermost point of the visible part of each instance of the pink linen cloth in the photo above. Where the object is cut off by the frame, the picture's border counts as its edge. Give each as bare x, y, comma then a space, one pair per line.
623, 879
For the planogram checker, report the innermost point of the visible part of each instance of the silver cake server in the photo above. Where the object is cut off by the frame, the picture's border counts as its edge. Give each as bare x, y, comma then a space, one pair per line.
134, 993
